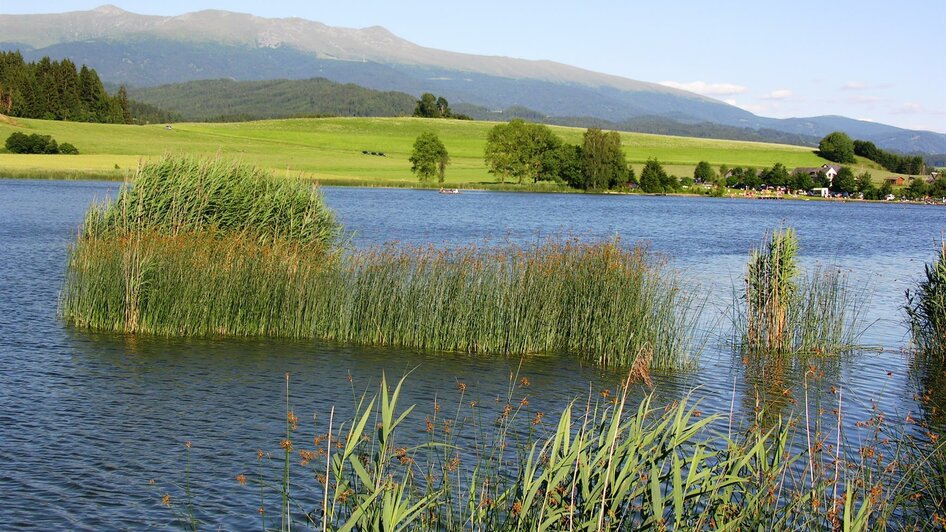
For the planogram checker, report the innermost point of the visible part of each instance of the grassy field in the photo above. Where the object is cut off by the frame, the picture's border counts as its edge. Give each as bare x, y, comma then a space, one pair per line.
330, 149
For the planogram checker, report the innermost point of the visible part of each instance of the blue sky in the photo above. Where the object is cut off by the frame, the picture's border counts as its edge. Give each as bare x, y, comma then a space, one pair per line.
871, 60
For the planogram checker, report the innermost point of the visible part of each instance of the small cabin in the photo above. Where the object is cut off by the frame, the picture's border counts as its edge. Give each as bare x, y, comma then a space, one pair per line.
821, 191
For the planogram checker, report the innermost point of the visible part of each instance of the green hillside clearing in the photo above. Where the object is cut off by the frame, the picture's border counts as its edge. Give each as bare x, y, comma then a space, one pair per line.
330, 149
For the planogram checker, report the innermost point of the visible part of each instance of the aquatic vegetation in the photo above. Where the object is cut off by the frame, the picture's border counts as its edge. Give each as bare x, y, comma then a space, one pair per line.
782, 312
597, 300
182, 194
926, 308
209, 247
598, 464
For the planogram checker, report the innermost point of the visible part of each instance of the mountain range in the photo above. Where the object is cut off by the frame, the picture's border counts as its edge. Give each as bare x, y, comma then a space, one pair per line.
147, 51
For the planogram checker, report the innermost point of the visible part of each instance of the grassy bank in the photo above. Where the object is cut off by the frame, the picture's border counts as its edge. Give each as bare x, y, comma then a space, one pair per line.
330, 149
209, 247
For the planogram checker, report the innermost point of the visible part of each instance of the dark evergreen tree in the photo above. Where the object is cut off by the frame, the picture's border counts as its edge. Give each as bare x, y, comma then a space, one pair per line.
57, 90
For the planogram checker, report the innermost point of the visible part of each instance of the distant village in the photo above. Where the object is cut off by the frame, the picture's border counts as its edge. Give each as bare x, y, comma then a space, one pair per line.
833, 181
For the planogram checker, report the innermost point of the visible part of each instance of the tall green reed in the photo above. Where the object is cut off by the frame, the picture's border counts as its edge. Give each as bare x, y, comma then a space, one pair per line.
780, 311
605, 464
926, 308
611, 305
180, 194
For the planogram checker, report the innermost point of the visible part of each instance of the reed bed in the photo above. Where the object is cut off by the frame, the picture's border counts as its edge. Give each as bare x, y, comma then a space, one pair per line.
782, 312
181, 194
599, 464
926, 309
611, 305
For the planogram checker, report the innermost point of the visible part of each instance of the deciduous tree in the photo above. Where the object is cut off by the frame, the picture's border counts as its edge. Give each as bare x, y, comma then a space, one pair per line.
837, 147
429, 157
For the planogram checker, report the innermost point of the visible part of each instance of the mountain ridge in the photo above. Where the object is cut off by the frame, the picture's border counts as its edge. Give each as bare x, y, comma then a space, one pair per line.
149, 50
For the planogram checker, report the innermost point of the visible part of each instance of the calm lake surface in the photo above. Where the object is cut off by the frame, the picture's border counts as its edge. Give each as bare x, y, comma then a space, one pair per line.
87, 420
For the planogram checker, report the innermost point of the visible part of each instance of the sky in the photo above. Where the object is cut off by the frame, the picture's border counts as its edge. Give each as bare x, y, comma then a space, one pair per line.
871, 60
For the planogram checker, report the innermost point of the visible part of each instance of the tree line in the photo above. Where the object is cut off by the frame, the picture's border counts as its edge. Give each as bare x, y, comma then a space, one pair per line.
522, 151
57, 90
840, 148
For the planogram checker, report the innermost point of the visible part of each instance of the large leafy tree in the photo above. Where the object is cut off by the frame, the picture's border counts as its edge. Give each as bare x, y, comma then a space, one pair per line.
703, 173
519, 150
837, 147
603, 159
429, 158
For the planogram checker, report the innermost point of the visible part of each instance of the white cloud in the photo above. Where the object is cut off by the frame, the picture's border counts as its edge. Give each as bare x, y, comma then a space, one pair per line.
866, 99
779, 94
706, 89
854, 86
731, 101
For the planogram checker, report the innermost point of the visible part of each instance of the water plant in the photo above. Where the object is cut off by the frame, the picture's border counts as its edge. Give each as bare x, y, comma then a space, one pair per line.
210, 247
926, 308
598, 464
183, 194
782, 312
597, 300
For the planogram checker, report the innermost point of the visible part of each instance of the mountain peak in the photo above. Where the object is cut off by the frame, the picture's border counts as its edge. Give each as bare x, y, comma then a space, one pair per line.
109, 9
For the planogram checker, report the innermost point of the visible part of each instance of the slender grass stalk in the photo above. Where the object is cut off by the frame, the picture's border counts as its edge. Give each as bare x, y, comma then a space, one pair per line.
596, 300
615, 467
782, 312
926, 308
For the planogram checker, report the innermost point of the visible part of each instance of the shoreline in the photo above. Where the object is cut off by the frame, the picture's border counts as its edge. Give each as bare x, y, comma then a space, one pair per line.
114, 177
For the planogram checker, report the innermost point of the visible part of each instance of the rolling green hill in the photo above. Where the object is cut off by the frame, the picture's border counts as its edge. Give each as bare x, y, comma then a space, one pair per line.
330, 149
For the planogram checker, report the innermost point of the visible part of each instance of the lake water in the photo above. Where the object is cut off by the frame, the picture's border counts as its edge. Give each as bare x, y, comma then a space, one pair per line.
87, 420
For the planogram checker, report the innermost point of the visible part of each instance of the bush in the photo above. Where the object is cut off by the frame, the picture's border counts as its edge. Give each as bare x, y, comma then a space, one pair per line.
68, 149
44, 144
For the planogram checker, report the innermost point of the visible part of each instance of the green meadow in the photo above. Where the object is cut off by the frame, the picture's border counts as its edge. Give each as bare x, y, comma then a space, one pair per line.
330, 149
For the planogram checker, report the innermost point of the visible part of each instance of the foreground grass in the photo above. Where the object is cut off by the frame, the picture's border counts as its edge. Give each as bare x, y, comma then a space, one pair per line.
598, 464
330, 149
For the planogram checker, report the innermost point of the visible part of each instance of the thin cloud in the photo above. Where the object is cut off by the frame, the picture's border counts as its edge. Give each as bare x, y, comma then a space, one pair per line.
866, 99
706, 89
861, 86
909, 108
779, 94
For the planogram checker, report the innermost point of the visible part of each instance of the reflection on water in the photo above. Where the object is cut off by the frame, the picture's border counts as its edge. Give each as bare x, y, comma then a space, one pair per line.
88, 419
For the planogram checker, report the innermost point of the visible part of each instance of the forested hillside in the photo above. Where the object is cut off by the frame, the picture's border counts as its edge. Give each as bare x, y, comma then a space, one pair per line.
227, 100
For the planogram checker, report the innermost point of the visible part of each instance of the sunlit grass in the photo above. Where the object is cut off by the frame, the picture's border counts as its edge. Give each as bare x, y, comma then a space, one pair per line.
331, 148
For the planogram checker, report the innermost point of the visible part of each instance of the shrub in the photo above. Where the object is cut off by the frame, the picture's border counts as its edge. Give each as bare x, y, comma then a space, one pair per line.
41, 144
68, 149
